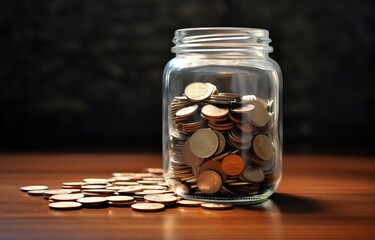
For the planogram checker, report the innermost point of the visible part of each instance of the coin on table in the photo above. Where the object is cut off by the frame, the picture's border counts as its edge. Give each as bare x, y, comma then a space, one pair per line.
187, 111
213, 111
96, 181
33, 187
263, 147
233, 164
189, 158
73, 184
93, 201
148, 207
94, 186
198, 91
66, 197
130, 190
36, 192
190, 203
120, 199
160, 198
65, 205
216, 206
49, 193
209, 182
204, 143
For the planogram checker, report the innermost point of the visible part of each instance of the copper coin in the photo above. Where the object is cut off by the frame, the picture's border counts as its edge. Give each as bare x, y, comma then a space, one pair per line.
255, 175
187, 111
209, 182
213, 111
232, 164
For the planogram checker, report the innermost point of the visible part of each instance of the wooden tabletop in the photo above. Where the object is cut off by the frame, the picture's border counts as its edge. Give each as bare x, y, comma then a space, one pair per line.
320, 197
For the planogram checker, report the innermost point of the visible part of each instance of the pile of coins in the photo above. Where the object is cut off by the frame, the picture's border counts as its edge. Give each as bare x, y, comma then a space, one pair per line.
146, 192
221, 144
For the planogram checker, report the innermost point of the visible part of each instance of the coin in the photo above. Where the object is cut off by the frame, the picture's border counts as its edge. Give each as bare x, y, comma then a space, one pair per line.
216, 206
160, 198
189, 158
243, 109
94, 187
33, 187
73, 184
49, 193
120, 199
222, 142
96, 181
36, 192
263, 147
66, 197
255, 175
198, 91
232, 164
148, 207
130, 190
187, 111
259, 115
65, 205
204, 143
190, 203
214, 112
209, 182
93, 202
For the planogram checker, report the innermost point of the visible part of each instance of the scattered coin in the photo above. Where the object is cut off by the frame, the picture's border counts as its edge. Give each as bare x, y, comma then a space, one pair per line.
216, 206
148, 207
65, 205
66, 197
190, 203
34, 187
120, 199
36, 192
160, 198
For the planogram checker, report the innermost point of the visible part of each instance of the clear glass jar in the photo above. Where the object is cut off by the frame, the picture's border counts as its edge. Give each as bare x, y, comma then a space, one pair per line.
222, 116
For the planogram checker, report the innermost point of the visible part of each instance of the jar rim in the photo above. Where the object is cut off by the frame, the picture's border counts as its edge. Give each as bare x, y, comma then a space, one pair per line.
230, 38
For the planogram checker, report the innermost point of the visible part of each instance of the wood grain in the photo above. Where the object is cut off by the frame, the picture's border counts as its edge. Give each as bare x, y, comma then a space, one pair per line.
321, 197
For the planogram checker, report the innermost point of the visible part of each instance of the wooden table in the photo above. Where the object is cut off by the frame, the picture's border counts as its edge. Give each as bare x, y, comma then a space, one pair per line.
321, 197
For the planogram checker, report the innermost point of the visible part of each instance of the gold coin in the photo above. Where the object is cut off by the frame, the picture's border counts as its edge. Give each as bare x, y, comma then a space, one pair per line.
66, 197
213, 111
217, 206
33, 187
198, 91
187, 111
204, 143
189, 158
232, 164
148, 207
65, 205
209, 182
263, 147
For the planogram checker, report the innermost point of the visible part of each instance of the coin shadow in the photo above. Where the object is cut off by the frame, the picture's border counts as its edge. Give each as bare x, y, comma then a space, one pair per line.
288, 203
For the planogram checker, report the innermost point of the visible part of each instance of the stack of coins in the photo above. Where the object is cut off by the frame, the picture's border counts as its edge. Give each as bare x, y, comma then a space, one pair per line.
221, 143
145, 192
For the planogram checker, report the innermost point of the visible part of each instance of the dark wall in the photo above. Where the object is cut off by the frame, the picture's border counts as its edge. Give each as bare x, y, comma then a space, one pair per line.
87, 75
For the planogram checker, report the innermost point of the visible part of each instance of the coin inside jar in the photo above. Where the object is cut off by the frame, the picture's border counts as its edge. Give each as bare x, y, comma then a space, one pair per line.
204, 143
209, 182
233, 164
263, 147
198, 91
213, 111
189, 158
187, 111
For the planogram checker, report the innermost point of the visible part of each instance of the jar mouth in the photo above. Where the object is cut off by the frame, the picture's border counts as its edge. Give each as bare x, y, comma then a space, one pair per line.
209, 39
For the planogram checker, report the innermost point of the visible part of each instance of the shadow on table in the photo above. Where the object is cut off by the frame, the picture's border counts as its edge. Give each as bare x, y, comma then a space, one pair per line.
287, 203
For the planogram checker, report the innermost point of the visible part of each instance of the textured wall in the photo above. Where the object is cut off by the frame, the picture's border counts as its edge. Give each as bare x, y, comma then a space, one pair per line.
86, 75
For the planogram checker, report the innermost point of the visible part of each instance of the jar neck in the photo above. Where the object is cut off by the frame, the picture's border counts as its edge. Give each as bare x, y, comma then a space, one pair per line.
221, 42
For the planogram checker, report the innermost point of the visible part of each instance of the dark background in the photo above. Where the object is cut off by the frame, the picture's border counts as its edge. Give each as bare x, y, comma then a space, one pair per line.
80, 75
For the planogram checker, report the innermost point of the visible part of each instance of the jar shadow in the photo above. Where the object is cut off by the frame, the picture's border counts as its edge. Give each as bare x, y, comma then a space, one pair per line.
288, 203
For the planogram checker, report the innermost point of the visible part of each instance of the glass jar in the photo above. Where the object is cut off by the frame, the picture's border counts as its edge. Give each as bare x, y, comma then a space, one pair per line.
222, 116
